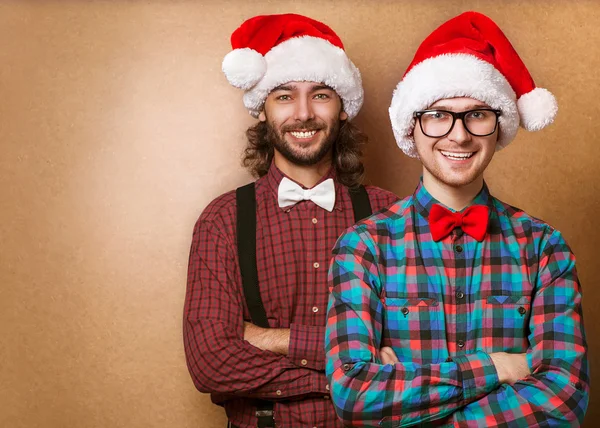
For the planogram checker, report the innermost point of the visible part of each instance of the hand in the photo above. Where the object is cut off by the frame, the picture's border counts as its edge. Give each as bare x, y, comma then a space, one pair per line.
268, 339
510, 367
387, 355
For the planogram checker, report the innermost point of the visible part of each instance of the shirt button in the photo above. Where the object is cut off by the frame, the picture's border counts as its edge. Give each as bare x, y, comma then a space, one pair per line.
304, 362
327, 387
405, 311
326, 397
278, 392
522, 310
315, 309
346, 367
458, 248
461, 344
460, 295
315, 221
316, 265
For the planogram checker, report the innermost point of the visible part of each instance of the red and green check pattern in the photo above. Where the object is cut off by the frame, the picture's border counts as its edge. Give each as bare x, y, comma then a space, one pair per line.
444, 307
293, 251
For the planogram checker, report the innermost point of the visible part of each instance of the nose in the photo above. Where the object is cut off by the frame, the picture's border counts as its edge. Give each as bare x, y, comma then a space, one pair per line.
303, 110
459, 133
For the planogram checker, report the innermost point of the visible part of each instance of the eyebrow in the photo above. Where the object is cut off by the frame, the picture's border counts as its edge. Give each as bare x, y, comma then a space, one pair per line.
315, 87
465, 108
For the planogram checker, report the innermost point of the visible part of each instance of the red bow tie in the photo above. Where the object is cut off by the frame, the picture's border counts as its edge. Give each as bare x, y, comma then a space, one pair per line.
473, 221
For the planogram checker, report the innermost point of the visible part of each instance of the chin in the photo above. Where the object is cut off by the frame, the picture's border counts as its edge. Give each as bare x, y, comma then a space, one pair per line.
455, 179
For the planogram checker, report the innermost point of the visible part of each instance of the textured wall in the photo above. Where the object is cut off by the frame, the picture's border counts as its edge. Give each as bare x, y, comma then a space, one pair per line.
117, 128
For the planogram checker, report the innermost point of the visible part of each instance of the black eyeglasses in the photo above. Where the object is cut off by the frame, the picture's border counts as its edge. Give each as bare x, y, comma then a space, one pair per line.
479, 122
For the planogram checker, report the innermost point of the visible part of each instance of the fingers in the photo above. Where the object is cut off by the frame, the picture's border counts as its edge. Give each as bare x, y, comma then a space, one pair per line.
387, 355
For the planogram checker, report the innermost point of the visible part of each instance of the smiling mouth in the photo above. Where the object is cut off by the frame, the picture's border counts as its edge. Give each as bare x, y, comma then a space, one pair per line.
457, 155
303, 134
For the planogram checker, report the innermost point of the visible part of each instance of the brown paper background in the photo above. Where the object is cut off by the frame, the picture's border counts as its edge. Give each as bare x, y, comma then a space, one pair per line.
117, 127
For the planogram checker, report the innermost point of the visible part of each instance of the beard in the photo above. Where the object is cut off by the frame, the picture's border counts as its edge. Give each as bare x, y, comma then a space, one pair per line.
276, 139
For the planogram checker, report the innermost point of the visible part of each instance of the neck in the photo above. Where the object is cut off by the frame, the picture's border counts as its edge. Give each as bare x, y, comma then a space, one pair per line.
453, 197
306, 175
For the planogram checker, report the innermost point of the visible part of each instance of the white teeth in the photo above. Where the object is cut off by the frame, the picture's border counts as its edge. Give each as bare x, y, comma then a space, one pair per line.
457, 155
303, 134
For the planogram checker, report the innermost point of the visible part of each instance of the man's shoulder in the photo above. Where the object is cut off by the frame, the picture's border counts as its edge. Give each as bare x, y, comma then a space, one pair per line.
390, 218
381, 228
380, 198
523, 223
223, 208
220, 209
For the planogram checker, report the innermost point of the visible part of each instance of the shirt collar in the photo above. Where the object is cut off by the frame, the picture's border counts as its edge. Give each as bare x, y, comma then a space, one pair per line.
424, 201
274, 177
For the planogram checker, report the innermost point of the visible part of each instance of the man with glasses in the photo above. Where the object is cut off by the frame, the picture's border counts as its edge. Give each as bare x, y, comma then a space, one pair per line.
452, 307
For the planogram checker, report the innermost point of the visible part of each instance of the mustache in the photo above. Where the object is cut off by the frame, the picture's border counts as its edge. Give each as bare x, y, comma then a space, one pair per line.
304, 126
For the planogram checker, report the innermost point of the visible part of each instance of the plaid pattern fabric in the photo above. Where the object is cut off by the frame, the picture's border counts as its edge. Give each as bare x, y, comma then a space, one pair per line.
293, 253
444, 307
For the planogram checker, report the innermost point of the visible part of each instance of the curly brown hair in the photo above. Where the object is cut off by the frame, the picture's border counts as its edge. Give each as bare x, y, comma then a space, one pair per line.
346, 156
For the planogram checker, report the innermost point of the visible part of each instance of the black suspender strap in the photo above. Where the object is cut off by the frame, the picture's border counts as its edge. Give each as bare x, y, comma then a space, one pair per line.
246, 243
360, 203
246, 240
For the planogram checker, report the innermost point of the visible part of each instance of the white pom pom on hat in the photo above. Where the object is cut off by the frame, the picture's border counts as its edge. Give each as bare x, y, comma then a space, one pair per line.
469, 56
537, 109
244, 67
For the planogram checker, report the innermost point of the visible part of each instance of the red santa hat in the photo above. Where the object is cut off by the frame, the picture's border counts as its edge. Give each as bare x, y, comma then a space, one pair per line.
469, 56
271, 50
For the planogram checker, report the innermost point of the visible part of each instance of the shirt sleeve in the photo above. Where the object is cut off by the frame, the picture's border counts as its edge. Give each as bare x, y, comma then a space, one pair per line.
556, 393
366, 392
306, 347
219, 359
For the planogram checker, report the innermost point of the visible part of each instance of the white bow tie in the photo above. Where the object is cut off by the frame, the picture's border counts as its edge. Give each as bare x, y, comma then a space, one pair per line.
290, 193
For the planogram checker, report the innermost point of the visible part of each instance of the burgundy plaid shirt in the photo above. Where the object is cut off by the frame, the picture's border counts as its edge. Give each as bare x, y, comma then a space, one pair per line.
293, 253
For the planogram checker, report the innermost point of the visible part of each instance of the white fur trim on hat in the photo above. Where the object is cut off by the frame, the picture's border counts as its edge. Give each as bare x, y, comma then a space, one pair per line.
308, 59
451, 76
537, 108
244, 67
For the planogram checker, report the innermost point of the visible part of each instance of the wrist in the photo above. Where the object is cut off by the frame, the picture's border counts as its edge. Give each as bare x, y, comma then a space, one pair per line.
497, 360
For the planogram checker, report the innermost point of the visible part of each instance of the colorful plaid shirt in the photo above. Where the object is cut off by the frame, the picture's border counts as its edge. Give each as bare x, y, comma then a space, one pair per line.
293, 252
443, 307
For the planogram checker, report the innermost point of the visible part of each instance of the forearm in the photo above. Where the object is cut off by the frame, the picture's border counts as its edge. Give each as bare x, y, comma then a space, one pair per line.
539, 400
222, 363
369, 394
218, 357
268, 339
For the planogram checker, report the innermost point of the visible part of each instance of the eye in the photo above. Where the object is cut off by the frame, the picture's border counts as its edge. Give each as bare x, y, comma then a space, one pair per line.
321, 96
479, 114
436, 115
283, 98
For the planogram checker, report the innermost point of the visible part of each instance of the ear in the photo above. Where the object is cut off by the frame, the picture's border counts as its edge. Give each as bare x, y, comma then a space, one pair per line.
343, 115
261, 116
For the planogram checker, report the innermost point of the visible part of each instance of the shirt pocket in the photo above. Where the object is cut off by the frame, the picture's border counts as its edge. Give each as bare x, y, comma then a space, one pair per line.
505, 323
414, 328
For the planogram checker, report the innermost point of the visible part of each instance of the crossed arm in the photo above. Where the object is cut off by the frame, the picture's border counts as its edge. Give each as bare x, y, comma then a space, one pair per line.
370, 387
225, 355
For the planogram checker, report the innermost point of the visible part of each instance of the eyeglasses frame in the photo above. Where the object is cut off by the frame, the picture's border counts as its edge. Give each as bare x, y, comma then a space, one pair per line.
460, 115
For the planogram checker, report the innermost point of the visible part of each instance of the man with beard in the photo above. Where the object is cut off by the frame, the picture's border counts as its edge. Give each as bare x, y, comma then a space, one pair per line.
452, 308
257, 291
